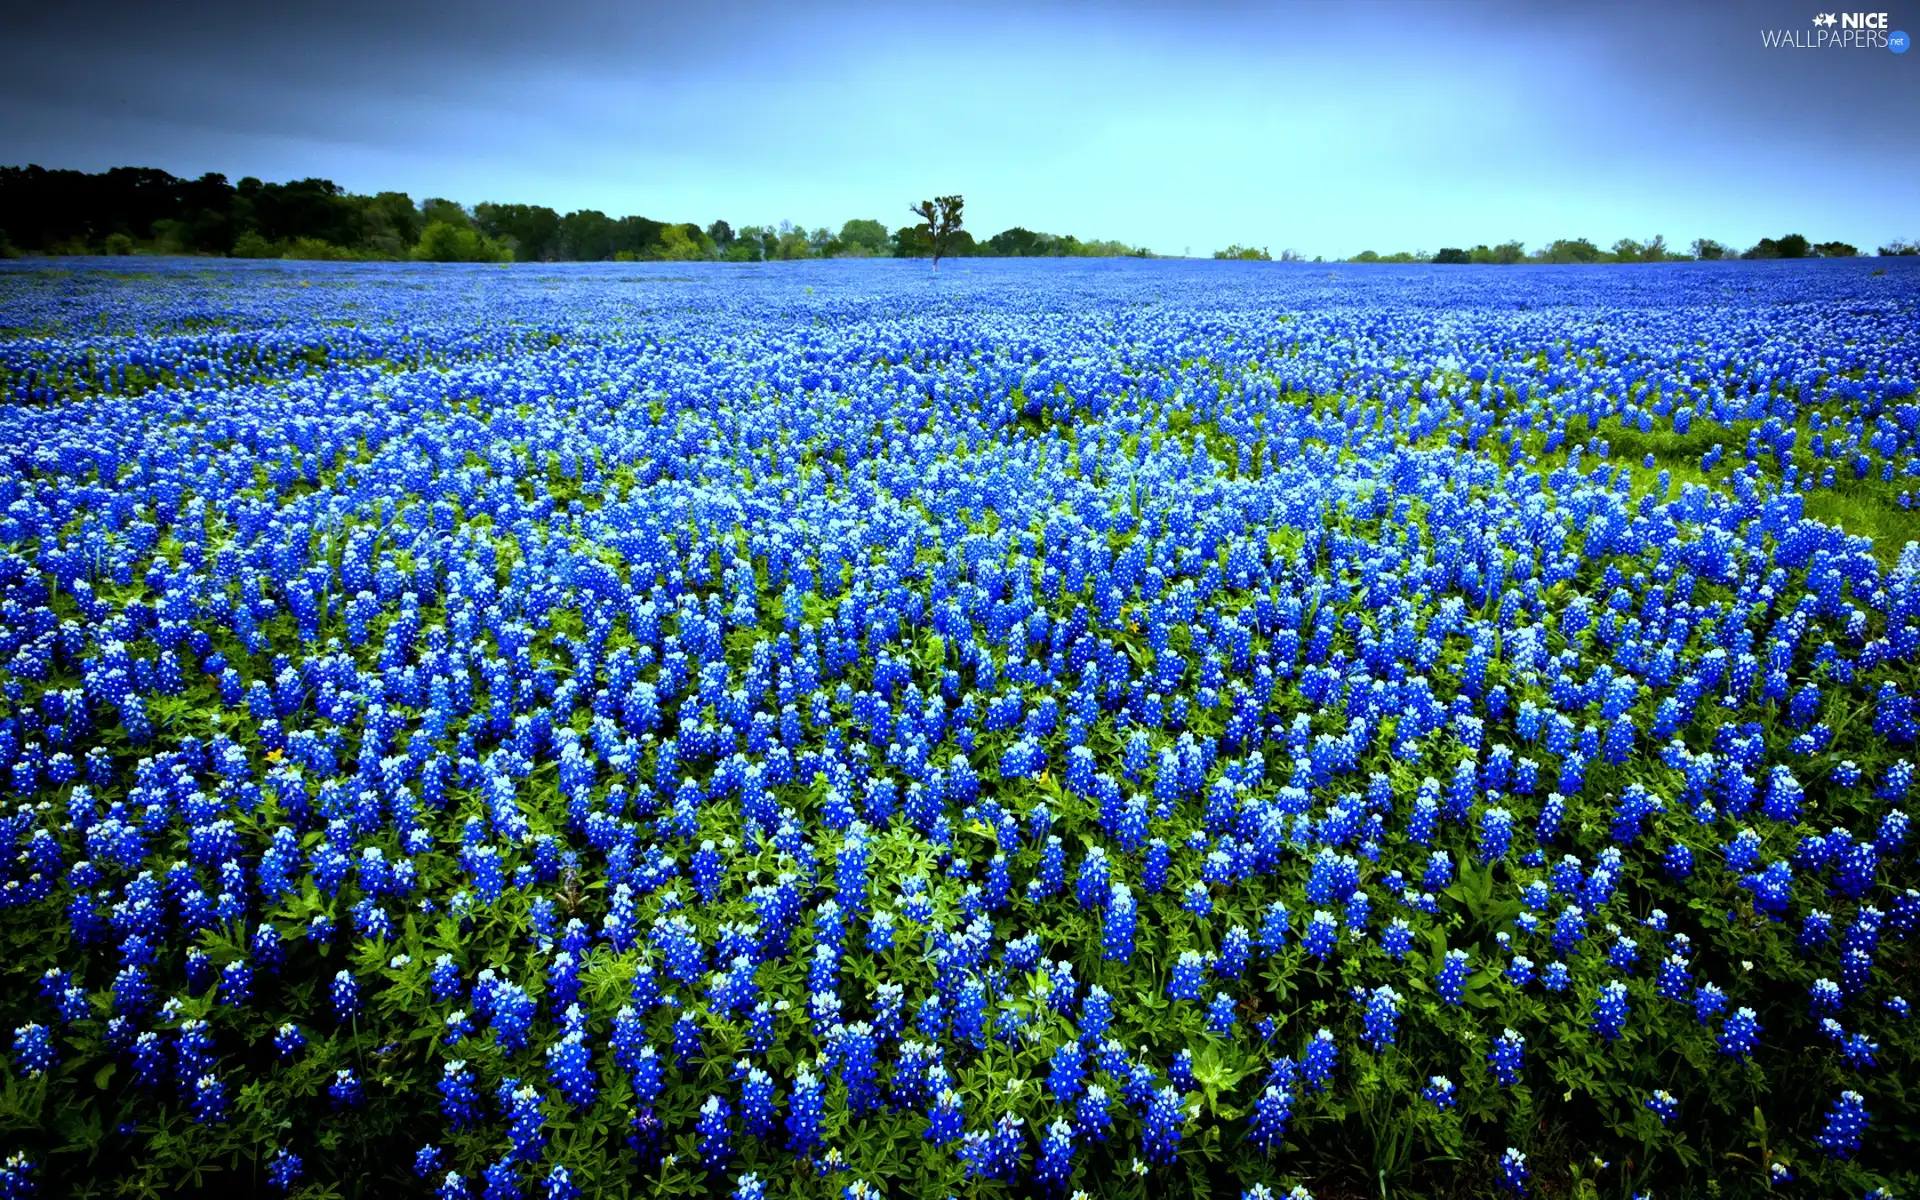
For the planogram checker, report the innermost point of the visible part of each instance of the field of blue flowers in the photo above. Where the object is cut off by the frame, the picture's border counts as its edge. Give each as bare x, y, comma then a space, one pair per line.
1140, 729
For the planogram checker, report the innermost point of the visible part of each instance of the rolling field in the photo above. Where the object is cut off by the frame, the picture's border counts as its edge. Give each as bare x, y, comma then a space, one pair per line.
1148, 728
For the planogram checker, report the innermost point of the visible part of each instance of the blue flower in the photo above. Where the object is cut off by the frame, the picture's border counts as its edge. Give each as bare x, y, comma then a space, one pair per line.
1739, 1034
1513, 1172
33, 1050
1382, 1017
1610, 1011
1267, 1128
1450, 982
1846, 1121
1166, 1116
1507, 1057
1663, 1105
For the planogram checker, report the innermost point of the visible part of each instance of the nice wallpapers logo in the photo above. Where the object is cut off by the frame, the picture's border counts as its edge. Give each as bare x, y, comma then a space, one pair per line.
1839, 31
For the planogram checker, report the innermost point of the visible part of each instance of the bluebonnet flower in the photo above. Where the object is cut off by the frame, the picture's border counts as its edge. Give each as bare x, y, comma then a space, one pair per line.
1117, 929
716, 1146
1322, 934
804, 1111
525, 1121
559, 1184
1055, 1166
1663, 1105
1450, 982
459, 1101
1220, 1014
1513, 1172
1319, 1059
1382, 1017
346, 996
1267, 1127
996, 1152
1739, 1033
1507, 1057
1708, 1000
1610, 1011
33, 1050
209, 1100
1438, 1092
1846, 1120
1188, 972
570, 1066
1091, 1118
1166, 1116
1397, 939
284, 1169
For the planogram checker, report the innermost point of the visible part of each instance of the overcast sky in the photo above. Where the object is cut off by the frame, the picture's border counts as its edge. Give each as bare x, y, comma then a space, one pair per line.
1325, 128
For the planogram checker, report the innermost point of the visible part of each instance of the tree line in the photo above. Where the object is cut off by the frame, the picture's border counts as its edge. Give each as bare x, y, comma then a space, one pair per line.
129, 210
1655, 249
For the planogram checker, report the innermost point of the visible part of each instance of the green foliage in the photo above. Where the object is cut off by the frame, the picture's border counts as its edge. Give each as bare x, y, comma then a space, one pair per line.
118, 244
864, 236
443, 242
941, 219
1245, 253
1791, 246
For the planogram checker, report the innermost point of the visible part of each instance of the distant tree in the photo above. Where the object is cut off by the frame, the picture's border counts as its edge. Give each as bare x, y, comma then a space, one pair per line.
1899, 249
638, 236
721, 234
442, 241
391, 224
119, 244
1655, 250
1244, 253
1018, 242
684, 243
863, 236
941, 218
1365, 256
1836, 250
447, 212
1570, 250
252, 245
1791, 246
911, 241
1707, 250
586, 236
531, 231
1627, 250
747, 244
1452, 255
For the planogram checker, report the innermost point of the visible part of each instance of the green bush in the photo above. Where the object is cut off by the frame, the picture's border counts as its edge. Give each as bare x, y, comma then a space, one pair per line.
314, 249
444, 242
119, 245
252, 245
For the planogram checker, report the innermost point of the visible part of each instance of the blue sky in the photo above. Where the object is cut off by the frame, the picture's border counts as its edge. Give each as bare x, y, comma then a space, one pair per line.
1325, 128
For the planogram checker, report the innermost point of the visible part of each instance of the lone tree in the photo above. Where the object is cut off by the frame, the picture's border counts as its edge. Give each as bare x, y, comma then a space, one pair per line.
941, 220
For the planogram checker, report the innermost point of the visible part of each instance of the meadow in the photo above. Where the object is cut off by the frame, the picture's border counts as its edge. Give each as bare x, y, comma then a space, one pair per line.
828, 729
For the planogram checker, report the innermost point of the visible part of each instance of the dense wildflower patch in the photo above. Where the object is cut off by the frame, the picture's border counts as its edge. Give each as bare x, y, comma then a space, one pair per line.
1132, 728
